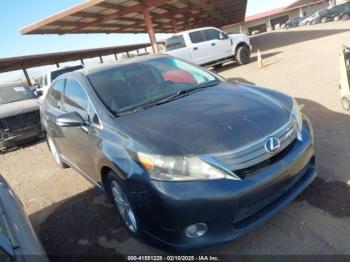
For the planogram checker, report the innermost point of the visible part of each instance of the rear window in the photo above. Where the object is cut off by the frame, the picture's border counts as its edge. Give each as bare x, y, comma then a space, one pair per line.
175, 42
197, 37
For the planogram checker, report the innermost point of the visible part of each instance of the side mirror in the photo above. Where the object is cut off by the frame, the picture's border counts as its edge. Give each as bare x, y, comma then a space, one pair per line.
38, 93
223, 36
72, 119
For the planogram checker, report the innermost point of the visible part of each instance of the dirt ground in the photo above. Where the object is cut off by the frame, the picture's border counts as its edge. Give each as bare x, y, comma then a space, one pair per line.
72, 217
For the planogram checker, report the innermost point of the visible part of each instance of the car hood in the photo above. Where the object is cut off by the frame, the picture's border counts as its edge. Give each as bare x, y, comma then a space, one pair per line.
213, 120
19, 107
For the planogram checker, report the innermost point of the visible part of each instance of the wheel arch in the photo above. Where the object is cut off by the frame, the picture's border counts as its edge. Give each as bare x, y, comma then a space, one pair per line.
239, 45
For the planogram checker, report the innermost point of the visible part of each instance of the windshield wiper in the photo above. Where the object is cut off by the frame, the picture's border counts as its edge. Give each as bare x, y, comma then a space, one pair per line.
177, 95
126, 112
182, 93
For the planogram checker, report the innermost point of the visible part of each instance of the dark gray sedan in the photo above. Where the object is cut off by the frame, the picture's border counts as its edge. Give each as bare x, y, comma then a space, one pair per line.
18, 241
188, 158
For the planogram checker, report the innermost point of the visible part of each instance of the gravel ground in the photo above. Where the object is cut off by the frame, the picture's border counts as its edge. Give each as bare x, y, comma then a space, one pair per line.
72, 217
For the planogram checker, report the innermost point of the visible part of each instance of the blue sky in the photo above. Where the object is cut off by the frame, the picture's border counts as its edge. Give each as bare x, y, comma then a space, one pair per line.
19, 13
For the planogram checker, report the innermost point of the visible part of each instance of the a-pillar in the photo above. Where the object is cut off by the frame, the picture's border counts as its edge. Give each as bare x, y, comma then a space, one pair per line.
149, 27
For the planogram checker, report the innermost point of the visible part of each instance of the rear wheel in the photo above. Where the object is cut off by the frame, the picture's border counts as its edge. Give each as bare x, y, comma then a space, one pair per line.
345, 102
323, 20
55, 153
243, 55
120, 198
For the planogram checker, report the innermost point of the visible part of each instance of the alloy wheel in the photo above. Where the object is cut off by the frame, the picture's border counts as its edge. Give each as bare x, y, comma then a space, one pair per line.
124, 206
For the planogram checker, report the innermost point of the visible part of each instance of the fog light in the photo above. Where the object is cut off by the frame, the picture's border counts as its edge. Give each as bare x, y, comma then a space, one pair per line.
196, 230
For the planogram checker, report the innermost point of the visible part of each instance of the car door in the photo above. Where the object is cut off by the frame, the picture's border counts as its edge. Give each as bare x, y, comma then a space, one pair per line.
52, 109
200, 48
81, 144
220, 47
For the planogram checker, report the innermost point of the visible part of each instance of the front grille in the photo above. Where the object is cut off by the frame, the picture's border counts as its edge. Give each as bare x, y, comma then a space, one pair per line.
242, 173
249, 158
20, 121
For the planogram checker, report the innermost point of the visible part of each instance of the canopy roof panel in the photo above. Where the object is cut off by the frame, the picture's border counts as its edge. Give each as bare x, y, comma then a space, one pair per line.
126, 16
21, 62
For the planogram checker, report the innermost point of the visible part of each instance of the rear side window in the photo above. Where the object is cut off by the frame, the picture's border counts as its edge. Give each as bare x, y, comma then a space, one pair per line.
175, 42
55, 94
75, 98
197, 37
211, 34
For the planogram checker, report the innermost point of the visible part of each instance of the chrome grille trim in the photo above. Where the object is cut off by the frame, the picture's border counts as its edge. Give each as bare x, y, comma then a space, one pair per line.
255, 153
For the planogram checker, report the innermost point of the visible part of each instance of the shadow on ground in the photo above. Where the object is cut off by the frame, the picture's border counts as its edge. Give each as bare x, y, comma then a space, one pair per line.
279, 39
85, 224
330, 191
253, 59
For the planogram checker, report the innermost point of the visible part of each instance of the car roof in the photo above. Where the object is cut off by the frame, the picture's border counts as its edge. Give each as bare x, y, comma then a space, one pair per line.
195, 29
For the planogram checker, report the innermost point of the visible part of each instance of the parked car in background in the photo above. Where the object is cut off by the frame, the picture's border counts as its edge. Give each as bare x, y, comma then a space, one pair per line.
188, 158
292, 22
311, 19
209, 46
48, 77
18, 241
19, 116
341, 12
321, 17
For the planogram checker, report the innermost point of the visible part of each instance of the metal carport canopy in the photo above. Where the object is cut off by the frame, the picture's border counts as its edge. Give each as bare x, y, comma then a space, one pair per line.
25, 62
133, 16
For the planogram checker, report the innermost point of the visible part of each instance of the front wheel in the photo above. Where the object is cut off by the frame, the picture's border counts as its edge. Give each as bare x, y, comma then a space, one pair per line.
336, 18
345, 102
323, 20
120, 198
243, 55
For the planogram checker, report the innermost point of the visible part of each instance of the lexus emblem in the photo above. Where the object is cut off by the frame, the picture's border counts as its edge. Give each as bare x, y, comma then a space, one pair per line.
272, 145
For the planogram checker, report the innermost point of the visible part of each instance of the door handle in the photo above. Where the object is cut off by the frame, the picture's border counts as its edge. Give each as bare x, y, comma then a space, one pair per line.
195, 48
213, 44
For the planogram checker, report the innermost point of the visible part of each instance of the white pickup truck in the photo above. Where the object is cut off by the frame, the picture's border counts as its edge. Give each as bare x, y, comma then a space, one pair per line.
209, 46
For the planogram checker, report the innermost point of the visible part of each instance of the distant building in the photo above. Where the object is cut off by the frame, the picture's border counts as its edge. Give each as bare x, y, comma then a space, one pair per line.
273, 19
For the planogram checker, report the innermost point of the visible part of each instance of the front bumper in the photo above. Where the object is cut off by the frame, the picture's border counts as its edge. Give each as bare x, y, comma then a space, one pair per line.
14, 138
230, 208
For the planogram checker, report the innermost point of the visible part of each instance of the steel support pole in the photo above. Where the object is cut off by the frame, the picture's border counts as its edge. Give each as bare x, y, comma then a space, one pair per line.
173, 22
27, 76
149, 27
101, 60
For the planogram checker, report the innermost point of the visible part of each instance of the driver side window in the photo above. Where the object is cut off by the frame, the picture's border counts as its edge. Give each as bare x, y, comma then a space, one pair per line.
75, 98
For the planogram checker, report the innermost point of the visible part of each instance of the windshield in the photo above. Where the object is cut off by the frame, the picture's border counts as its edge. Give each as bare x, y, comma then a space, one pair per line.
57, 73
126, 87
13, 94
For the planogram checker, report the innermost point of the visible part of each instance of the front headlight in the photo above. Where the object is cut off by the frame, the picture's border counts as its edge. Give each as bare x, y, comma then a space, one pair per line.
297, 115
177, 168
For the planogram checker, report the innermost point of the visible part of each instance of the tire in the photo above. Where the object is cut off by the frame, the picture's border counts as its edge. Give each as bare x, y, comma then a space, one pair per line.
345, 102
323, 20
120, 197
243, 55
55, 154
336, 18
345, 17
